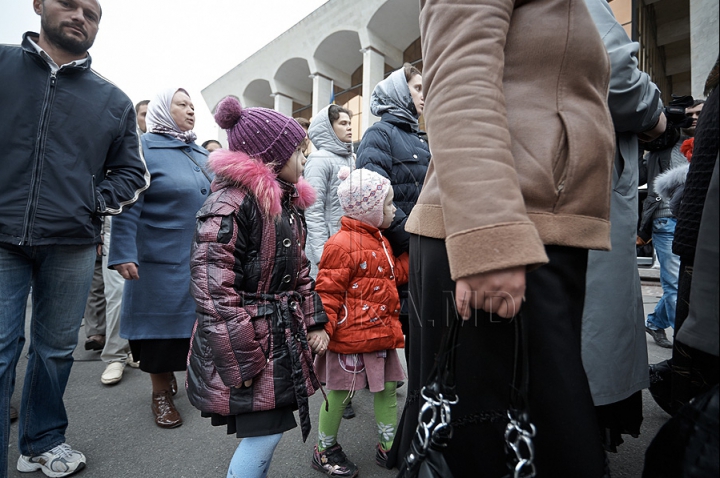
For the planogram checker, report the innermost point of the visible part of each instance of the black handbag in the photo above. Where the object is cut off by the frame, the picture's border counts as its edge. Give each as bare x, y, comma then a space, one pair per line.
425, 457
520, 432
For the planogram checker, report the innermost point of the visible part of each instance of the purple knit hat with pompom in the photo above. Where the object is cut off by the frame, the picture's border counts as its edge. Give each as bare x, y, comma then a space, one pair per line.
260, 133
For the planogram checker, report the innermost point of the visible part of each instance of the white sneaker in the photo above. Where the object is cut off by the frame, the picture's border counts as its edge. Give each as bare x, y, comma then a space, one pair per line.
60, 461
129, 361
113, 373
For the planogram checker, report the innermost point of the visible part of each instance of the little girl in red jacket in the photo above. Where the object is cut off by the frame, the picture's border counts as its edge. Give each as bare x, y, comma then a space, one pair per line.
357, 282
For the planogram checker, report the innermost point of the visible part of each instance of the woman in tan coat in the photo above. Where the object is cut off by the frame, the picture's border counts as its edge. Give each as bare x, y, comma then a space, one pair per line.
517, 192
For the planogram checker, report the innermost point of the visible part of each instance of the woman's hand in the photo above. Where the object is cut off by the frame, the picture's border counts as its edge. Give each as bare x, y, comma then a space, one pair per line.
128, 270
246, 384
498, 292
318, 341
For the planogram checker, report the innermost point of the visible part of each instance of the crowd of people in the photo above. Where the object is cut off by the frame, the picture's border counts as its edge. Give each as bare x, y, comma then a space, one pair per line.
289, 263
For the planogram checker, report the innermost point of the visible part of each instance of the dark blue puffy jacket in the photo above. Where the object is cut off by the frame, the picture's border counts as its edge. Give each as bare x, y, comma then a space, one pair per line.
69, 150
391, 147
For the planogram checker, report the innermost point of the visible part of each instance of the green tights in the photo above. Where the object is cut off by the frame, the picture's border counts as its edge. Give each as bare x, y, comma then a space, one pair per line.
385, 404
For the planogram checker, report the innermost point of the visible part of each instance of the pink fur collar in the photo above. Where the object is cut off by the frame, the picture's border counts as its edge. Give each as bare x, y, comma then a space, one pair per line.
242, 170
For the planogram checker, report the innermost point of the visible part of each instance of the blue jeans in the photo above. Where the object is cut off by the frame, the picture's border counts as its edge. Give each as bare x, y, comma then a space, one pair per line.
663, 232
252, 457
60, 277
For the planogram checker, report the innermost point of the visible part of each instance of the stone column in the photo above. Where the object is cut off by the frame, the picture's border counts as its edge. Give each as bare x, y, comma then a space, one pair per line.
283, 104
322, 91
703, 42
373, 73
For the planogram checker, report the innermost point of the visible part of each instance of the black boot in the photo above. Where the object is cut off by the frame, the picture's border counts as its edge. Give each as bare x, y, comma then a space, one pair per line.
349, 413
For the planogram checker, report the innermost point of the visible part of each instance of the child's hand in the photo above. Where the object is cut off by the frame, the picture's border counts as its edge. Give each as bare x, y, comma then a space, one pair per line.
318, 341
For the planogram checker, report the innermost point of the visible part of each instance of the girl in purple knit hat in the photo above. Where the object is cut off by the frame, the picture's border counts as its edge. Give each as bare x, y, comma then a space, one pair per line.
259, 319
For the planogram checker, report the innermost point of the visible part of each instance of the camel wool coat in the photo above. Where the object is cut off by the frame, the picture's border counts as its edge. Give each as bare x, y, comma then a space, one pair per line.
512, 88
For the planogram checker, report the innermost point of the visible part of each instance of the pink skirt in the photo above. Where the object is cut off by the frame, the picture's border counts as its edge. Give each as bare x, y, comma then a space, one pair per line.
356, 371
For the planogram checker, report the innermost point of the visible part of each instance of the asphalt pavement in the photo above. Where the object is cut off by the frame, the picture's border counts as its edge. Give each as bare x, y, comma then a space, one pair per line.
113, 426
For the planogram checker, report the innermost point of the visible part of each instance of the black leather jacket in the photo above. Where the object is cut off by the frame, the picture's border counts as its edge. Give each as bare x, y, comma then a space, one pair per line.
69, 150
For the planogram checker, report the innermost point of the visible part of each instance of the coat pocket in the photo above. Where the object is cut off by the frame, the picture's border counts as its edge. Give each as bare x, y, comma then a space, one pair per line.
560, 161
162, 245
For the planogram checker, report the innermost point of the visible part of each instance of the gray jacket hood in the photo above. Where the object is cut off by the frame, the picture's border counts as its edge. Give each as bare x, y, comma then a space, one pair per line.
668, 182
392, 95
323, 136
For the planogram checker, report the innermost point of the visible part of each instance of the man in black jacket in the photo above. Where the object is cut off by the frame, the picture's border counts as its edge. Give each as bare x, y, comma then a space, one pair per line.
69, 156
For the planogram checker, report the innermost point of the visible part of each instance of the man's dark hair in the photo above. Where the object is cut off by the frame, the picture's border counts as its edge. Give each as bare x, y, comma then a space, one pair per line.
99, 6
410, 71
140, 103
697, 102
335, 110
206, 143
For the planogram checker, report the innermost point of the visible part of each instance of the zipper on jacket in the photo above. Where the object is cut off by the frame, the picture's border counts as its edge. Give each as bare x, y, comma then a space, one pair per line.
92, 194
34, 194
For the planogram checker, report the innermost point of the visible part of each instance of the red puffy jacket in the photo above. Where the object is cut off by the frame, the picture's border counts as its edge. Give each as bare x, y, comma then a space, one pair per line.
357, 283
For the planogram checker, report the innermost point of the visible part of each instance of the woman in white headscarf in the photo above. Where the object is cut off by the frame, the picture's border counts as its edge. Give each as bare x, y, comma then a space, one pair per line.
151, 244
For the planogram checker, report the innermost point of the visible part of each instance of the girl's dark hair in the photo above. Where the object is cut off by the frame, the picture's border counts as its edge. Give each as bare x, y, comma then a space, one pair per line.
206, 143
304, 122
334, 112
410, 71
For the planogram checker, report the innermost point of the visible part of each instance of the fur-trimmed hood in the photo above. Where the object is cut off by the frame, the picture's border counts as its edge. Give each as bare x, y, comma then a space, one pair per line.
238, 169
667, 183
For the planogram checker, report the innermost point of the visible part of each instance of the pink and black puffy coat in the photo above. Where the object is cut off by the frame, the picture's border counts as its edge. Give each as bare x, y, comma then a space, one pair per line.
255, 297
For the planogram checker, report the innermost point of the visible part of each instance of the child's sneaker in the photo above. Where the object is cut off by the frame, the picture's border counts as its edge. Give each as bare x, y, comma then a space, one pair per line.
349, 412
381, 456
60, 461
333, 462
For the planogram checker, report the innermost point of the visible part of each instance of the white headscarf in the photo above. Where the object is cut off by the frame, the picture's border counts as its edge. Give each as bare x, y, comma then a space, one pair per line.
392, 95
159, 120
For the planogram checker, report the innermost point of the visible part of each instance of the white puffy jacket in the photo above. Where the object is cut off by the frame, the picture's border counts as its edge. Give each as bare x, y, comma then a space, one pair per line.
321, 169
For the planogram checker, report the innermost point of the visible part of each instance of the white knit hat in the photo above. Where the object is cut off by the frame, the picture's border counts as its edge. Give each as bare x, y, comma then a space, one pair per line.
362, 195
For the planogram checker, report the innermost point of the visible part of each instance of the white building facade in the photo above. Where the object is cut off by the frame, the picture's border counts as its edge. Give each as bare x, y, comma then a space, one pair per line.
339, 52
345, 47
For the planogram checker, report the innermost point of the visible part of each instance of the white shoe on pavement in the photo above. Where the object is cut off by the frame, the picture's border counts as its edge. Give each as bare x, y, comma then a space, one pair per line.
129, 361
113, 373
60, 461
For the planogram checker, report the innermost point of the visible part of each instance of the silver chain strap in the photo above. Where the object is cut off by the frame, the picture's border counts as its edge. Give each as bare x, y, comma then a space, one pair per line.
519, 437
434, 417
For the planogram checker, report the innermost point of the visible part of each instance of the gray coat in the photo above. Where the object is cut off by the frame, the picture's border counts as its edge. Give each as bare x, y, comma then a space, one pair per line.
614, 349
321, 171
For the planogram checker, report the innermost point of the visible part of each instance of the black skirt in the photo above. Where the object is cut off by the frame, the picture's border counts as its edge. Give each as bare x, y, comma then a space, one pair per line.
255, 424
161, 355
